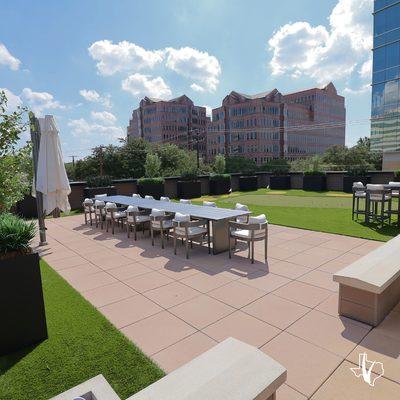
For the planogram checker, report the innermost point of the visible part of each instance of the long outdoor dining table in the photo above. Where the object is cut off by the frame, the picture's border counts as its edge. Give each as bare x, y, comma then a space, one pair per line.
219, 217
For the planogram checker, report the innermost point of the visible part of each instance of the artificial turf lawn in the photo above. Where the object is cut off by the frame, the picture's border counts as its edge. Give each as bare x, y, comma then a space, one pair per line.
81, 344
318, 211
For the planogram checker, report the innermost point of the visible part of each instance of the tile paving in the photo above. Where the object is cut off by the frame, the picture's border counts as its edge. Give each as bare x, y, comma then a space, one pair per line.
175, 309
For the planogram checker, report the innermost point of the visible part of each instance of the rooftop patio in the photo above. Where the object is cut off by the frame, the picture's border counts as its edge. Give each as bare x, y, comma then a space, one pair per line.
174, 309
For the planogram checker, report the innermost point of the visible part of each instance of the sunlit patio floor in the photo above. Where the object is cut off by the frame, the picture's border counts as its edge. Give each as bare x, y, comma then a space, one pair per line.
174, 309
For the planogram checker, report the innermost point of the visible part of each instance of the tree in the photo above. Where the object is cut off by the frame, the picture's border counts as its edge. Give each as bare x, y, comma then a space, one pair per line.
15, 164
133, 157
152, 166
239, 164
219, 164
277, 166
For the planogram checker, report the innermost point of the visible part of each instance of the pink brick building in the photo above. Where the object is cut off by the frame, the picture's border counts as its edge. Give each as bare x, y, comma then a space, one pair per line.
176, 121
271, 125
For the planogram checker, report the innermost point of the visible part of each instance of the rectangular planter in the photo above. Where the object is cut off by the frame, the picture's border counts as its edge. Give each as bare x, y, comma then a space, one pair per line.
91, 192
152, 189
248, 183
189, 189
222, 186
349, 180
279, 182
26, 208
316, 183
22, 312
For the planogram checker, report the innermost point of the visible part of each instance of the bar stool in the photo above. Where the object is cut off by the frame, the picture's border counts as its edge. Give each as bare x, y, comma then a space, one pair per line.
359, 193
99, 212
88, 210
378, 196
396, 194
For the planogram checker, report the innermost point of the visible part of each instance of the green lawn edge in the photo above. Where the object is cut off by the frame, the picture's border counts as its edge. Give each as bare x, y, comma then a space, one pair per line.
82, 343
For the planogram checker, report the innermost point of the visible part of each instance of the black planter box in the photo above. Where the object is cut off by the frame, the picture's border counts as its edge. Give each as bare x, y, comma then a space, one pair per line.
248, 183
152, 189
89, 193
316, 183
22, 313
189, 189
279, 182
222, 186
26, 208
348, 182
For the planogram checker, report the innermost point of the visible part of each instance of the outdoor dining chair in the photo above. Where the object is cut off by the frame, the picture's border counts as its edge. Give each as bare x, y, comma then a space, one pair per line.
209, 204
88, 210
396, 195
113, 215
379, 203
185, 201
189, 230
162, 222
359, 193
256, 229
148, 197
164, 198
242, 207
100, 196
99, 212
136, 218
136, 195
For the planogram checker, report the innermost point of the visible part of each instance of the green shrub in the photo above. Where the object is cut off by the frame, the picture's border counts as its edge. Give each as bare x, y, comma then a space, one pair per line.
357, 170
279, 166
314, 173
99, 181
219, 164
397, 173
220, 177
152, 166
150, 181
15, 234
190, 173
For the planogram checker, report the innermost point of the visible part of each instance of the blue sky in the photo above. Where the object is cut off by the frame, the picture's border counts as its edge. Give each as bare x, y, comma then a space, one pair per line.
90, 62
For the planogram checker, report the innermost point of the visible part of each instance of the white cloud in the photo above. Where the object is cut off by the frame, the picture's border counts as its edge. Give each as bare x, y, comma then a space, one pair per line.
104, 116
13, 101
356, 92
39, 102
196, 65
7, 59
94, 97
325, 53
197, 88
208, 110
138, 84
123, 56
366, 70
85, 130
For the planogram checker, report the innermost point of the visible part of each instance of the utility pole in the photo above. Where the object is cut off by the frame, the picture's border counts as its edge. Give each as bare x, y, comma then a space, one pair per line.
73, 160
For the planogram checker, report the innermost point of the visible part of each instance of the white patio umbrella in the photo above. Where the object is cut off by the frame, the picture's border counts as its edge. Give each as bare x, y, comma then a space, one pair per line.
52, 180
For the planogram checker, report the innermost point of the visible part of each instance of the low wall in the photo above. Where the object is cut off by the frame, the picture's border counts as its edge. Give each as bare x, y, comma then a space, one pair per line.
334, 181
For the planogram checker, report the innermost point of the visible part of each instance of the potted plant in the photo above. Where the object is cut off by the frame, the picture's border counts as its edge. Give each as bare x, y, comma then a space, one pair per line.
23, 319
280, 179
248, 181
355, 174
152, 184
99, 185
220, 183
189, 187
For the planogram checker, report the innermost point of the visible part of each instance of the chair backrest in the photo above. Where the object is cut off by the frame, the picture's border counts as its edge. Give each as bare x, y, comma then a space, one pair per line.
110, 208
185, 201
164, 198
358, 185
132, 209
99, 196
99, 203
241, 207
373, 187
209, 204
148, 197
88, 203
394, 183
155, 212
136, 195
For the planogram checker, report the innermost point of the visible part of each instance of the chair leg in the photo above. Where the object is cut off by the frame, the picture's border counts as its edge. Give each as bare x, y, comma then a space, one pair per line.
90, 217
95, 220
252, 251
85, 218
112, 226
162, 238
107, 225
353, 207
134, 232
174, 243
229, 245
187, 247
152, 235
266, 245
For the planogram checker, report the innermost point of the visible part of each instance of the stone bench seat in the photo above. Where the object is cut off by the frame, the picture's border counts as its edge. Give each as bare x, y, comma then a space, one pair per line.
232, 370
370, 287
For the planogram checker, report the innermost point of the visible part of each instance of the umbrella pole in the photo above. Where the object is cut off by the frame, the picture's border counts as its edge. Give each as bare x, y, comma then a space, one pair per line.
35, 137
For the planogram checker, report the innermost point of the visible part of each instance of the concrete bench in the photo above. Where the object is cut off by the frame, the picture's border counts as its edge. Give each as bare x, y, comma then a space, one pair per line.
370, 287
232, 370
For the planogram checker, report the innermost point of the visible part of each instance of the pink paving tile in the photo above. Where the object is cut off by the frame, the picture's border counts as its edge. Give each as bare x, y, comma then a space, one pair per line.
205, 283
390, 326
184, 351
201, 311
366, 247
149, 281
178, 270
344, 385
342, 243
308, 365
130, 310
276, 311
236, 294
80, 270
264, 281
281, 254
157, 262
129, 270
287, 269
295, 245
151, 338
285, 392
339, 336
321, 279
92, 281
68, 262
108, 294
332, 266
383, 349
111, 262
310, 260
172, 294
330, 305
303, 293
59, 255
349, 258
243, 327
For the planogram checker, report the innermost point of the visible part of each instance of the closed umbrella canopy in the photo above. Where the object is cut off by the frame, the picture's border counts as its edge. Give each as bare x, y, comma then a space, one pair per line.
52, 178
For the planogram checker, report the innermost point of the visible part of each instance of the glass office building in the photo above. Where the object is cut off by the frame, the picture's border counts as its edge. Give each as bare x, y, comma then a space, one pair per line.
385, 117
